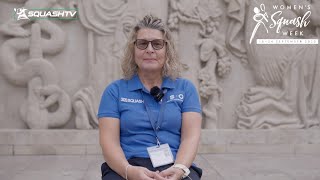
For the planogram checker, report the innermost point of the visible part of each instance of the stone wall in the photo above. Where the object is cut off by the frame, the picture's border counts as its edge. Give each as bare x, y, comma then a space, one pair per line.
53, 71
224, 141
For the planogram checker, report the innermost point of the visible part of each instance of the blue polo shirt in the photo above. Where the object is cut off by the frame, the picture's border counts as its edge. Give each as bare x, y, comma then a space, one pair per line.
124, 99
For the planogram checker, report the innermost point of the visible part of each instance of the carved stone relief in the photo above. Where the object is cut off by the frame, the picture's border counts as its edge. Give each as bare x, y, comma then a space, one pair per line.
209, 34
287, 76
108, 25
213, 59
47, 105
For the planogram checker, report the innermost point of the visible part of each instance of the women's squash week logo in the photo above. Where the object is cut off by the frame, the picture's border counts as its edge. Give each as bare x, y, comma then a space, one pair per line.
277, 21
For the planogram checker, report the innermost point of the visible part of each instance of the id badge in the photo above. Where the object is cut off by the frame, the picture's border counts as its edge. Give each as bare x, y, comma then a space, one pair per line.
160, 155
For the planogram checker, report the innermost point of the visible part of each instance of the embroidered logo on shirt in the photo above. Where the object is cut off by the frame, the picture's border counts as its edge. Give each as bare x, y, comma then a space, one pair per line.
131, 100
178, 97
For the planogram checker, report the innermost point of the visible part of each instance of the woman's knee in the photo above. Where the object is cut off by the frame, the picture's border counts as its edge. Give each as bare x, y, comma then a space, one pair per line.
195, 174
108, 174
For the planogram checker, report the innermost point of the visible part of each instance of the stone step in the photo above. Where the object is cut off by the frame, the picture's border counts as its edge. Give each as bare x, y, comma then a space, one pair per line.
222, 141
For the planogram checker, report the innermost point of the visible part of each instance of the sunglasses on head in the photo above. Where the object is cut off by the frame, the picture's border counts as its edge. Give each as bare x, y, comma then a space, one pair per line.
143, 44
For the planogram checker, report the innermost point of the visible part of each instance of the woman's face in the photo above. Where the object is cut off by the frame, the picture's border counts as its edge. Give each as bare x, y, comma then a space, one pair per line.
150, 59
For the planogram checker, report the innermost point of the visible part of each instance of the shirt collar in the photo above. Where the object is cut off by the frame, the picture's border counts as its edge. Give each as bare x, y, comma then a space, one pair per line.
168, 83
135, 84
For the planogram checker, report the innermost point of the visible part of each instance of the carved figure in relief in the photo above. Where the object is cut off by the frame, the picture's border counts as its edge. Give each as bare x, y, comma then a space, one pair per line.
213, 56
108, 24
47, 105
217, 63
287, 76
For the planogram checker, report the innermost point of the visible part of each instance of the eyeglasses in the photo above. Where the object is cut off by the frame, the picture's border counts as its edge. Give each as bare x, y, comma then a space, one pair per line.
143, 44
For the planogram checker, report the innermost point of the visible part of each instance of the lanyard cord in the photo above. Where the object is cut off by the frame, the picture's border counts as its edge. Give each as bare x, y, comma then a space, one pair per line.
155, 124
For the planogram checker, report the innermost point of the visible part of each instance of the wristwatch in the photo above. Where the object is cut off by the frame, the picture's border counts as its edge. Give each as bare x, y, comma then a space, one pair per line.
184, 169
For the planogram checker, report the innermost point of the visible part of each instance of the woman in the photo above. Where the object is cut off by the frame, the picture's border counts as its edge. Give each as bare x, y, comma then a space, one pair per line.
147, 135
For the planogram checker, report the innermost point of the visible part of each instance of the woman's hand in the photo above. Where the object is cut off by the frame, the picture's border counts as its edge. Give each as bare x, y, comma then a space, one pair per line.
141, 173
171, 173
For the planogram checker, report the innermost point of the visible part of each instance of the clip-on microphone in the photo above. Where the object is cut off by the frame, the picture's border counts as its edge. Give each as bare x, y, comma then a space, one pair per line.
157, 93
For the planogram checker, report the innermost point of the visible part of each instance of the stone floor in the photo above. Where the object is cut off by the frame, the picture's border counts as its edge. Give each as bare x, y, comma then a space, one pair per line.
215, 166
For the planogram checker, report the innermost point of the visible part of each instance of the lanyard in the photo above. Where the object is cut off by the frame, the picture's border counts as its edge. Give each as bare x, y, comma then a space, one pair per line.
155, 123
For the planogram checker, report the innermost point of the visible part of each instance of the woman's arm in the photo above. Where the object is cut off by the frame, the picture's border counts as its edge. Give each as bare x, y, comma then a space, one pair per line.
190, 137
109, 134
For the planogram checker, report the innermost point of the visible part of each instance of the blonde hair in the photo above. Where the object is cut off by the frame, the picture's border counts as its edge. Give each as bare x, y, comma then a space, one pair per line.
172, 66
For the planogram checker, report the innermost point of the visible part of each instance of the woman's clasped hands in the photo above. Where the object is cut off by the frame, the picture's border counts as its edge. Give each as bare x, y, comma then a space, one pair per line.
141, 173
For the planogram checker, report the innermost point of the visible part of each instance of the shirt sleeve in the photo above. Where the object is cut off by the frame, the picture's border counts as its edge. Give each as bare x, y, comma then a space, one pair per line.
191, 101
109, 104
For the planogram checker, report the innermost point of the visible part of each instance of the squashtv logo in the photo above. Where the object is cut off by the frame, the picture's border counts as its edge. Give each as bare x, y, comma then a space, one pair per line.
24, 13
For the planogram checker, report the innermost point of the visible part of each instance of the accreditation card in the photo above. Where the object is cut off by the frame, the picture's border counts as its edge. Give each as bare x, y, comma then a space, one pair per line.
160, 155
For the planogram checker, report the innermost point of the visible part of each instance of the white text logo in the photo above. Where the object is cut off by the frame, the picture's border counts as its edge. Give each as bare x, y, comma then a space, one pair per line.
178, 97
23, 13
131, 100
277, 21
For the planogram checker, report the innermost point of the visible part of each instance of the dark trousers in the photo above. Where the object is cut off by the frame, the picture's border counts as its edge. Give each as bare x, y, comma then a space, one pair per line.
109, 174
